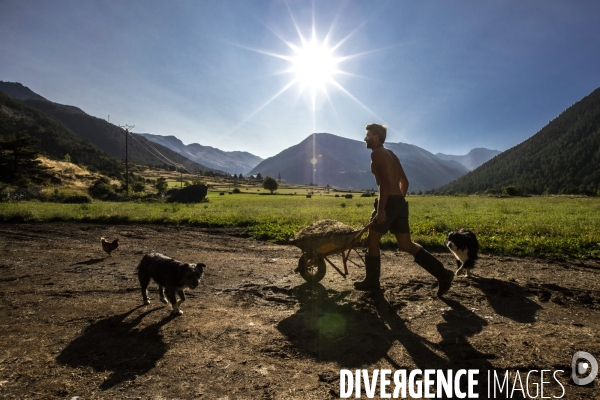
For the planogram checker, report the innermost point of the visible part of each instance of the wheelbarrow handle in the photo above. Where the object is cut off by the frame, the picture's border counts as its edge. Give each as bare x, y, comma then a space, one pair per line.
363, 230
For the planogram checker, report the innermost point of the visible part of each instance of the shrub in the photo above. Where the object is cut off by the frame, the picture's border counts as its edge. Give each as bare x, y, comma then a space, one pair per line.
189, 194
510, 190
139, 187
4, 192
102, 189
198, 181
23, 194
78, 200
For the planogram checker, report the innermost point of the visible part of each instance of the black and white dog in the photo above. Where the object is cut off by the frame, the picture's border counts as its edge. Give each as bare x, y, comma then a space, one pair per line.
465, 247
172, 277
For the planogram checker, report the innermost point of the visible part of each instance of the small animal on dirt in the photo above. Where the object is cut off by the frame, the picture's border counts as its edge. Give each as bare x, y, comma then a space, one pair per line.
465, 247
109, 247
172, 277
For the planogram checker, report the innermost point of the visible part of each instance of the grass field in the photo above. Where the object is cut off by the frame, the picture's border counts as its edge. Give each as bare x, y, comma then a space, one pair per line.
533, 226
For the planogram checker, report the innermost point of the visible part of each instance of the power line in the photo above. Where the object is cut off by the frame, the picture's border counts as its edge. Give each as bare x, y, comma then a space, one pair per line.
145, 143
154, 152
158, 156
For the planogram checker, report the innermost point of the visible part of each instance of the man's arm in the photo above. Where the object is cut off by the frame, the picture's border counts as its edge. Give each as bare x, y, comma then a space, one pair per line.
402, 179
381, 173
403, 182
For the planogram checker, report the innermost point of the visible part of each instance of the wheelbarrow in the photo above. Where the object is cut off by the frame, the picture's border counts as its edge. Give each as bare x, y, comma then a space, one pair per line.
316, 250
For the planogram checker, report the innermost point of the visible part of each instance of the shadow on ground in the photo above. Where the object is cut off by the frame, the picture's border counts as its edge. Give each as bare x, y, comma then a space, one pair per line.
116, 345
508, 299
356, 334
91, 261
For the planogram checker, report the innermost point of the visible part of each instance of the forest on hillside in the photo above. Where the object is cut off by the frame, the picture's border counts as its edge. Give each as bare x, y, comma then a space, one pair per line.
562, 158
55, 140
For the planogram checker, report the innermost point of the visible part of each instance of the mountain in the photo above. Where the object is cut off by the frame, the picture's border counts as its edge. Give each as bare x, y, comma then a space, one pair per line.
18, 91
234, 162
106, 136
346, 163
473, 159
563, 157
56, 140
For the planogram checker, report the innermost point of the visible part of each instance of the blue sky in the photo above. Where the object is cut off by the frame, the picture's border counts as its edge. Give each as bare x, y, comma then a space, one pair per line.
447, 76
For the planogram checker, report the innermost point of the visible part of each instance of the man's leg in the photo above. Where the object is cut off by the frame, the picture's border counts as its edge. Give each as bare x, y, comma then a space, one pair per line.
406, 244
373, 243
372, 263
427, 262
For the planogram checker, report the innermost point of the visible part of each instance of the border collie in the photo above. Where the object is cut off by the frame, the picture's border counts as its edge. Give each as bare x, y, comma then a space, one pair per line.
463, 244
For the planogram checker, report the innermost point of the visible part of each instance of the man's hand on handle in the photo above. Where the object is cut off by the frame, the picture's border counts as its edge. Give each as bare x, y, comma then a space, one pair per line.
380, 217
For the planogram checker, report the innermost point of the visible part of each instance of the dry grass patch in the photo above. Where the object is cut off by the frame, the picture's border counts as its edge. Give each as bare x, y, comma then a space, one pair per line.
71, 175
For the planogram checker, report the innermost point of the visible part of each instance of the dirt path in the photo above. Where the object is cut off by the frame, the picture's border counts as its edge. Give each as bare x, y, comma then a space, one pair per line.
73, 326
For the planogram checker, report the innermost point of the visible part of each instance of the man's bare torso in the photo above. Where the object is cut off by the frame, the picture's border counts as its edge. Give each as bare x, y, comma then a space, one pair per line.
386, 166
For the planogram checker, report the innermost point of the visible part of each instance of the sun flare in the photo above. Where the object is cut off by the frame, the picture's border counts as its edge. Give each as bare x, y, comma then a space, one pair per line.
314, 69
314, 65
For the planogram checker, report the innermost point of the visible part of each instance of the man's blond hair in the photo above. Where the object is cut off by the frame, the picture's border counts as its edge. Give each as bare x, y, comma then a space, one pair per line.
379, 130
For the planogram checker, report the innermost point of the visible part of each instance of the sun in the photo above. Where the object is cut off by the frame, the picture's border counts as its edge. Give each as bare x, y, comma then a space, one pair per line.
314, 65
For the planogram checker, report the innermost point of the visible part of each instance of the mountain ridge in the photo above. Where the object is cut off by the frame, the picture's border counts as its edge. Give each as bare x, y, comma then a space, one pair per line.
345, 163
19, 91
104, 135
473, 159
233, 162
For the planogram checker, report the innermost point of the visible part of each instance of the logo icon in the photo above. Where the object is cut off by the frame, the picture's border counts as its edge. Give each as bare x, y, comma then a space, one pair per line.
589, 366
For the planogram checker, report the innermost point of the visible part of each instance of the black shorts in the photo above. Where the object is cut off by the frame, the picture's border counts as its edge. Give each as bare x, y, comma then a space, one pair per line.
396, 211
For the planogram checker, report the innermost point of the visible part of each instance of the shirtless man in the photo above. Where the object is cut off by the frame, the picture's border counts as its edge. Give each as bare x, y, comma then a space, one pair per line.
391, 214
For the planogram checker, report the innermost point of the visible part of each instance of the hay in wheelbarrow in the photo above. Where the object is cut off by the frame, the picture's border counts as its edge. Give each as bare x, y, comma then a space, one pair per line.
324, 237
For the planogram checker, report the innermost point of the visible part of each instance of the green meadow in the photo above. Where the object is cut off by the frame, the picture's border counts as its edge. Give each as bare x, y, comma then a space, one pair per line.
520, 226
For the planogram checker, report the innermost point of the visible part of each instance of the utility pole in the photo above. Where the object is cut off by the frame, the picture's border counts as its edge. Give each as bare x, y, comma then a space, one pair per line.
127, 129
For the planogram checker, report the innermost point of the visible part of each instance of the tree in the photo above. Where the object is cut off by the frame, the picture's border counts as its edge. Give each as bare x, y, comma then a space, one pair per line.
258, 176
102, 189
18, 160
270, 184
198, 181
138, 187
161, 185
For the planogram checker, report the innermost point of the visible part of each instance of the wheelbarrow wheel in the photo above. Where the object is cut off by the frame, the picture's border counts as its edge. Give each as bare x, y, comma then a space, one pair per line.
313, 273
